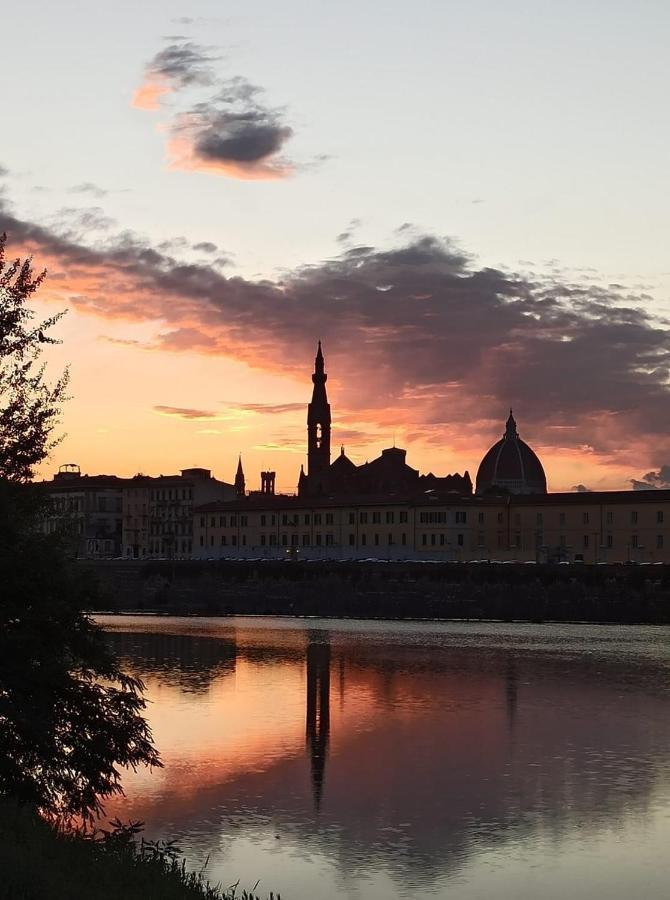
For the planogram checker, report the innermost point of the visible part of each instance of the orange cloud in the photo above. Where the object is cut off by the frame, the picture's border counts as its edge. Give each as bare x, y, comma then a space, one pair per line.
148, 94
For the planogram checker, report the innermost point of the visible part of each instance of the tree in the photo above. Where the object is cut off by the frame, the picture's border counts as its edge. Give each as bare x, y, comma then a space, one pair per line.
70, 719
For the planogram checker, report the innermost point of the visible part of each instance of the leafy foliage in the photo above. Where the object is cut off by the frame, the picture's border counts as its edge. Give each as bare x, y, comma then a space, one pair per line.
29, 406
70, 719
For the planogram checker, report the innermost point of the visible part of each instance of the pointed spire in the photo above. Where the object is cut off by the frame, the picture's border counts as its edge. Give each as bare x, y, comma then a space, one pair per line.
240, 486
510, 430
341, 449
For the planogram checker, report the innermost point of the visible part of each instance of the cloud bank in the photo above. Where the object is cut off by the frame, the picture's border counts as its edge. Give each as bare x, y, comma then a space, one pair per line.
416, 337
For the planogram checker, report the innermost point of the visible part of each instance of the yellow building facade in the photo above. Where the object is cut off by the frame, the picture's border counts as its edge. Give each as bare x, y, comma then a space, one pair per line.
604, 527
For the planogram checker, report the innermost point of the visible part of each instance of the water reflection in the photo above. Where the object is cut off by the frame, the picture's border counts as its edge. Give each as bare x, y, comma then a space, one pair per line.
411, 761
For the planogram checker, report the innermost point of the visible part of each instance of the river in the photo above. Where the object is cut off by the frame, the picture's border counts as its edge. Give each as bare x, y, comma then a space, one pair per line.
339, 759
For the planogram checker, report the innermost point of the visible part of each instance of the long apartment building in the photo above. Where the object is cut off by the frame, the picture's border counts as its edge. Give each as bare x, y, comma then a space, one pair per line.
593, 527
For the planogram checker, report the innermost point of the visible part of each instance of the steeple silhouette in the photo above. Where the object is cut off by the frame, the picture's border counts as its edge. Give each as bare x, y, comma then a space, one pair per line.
240, 486
317, 728
510, 429
318, 421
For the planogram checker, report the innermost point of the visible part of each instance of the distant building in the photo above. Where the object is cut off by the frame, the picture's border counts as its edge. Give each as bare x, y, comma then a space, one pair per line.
511, 466
88, 509
389, 474
158, 512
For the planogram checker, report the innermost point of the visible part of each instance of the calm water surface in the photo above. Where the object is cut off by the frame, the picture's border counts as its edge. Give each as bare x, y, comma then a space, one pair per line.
335, 759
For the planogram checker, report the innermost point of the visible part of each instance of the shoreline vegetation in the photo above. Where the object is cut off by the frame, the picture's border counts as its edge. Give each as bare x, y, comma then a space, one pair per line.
39, 862
612, 594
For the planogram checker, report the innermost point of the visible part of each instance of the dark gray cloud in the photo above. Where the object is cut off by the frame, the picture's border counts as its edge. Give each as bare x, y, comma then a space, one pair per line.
183, 63
653, 481
205, 247
236, 132
417, 336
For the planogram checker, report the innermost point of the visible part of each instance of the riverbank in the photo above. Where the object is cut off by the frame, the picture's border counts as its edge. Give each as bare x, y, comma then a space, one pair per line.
407, 590
38, 863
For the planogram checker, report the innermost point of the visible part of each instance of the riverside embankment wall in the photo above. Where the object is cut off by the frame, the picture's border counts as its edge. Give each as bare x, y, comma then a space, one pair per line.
386, 590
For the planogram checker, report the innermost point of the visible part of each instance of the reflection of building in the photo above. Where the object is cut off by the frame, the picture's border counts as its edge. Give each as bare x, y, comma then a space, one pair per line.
318, 709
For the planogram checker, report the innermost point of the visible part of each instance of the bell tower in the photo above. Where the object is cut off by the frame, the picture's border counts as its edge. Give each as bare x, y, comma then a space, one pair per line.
318, 422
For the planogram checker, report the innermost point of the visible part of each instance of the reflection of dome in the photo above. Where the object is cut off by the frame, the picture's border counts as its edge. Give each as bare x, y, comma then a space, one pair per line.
511, 464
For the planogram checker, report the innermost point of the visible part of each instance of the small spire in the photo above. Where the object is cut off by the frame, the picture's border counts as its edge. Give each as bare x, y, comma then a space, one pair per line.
240, 486
341, 449
510, 430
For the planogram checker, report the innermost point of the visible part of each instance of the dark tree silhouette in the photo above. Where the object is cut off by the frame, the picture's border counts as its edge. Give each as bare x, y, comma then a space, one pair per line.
70, 719
29, 407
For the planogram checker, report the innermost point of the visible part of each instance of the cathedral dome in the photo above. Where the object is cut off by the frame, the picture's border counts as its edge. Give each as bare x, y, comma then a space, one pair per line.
512, 465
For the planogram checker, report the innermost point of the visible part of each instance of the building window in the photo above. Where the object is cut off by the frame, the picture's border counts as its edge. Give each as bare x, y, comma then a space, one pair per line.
460, 540
294, 540
376, 540
442, 539
500, 518
461, 517
329, 518
202, 521
403, 518
585, 519
233, 521
273, 520
480, 518
284, 540
390, 540
610, 541
352, 540
659, 517
376, 518
306, 518
284, 519
244, 540
480, 539
403, 538
243, 521
586, 541
633, 518
363, 518
610, 518
223, 540
659, 540
202, 542
233, 540
433, 539
390, 517
424, 539
222, 521
212, 522
329, 540
305, 540
262, 540
317, 518
273, 540
364, 540
318, 540
634, 541
352, 518
262, 521
539, 519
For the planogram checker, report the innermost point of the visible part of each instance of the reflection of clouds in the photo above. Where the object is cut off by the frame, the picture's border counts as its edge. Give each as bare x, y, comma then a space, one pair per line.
435, 748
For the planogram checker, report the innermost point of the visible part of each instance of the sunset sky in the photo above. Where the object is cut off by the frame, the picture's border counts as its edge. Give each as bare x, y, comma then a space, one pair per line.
467, 202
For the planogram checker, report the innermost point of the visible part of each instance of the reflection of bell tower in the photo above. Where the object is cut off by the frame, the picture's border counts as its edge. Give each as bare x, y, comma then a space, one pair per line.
318, 423
318, 710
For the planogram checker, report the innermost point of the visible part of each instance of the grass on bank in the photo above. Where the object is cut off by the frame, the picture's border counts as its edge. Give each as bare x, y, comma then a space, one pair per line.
39, 863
